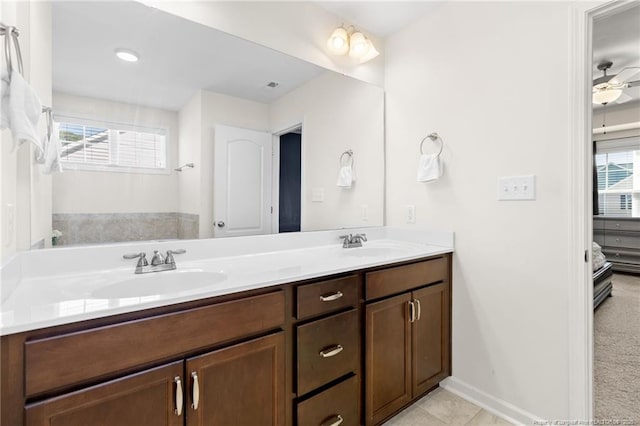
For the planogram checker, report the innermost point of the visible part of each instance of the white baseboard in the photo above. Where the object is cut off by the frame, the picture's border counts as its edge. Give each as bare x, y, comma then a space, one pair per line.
495, 406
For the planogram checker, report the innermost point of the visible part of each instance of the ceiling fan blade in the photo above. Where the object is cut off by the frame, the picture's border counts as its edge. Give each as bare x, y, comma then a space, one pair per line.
623, 98
624, 75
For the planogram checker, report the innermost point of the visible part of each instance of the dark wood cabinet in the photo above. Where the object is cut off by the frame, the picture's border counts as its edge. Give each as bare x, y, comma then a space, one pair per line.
408, 338
388, 357
238, 385
143, 399
430, 338
347, 349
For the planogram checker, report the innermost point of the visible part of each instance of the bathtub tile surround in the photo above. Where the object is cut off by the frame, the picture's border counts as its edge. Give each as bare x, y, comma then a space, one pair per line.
98, 228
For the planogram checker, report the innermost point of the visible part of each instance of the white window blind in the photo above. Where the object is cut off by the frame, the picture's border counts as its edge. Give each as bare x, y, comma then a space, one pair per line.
618, 168
101, 148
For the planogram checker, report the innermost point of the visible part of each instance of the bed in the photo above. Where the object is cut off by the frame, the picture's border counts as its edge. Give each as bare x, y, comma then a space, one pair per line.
602, 275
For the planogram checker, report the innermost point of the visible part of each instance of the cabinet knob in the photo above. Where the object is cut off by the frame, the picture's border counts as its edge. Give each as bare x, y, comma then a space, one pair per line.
618, 240
195, 395
617, 254
329, 297
333, 421
331, 351
179, 402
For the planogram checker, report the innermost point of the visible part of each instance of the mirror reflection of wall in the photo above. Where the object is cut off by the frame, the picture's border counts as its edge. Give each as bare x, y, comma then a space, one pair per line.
126, 127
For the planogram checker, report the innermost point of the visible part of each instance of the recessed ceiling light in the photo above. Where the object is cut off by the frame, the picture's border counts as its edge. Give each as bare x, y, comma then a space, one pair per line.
127, 55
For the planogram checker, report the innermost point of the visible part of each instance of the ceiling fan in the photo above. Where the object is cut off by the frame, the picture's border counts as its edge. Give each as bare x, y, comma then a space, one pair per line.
608, 88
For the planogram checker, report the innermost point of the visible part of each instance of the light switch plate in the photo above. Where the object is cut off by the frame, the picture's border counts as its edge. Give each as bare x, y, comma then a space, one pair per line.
517, 188
410, 213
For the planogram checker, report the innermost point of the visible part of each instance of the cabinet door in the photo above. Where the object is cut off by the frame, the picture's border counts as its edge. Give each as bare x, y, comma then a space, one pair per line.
238, 385
430, 337
388, 351
144, 399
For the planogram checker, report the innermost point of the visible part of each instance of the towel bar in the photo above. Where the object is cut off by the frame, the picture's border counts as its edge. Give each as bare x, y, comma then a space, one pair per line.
434, 137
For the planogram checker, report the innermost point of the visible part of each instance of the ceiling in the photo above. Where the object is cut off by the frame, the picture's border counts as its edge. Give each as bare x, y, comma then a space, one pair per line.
381, 18
616, 38
172, 68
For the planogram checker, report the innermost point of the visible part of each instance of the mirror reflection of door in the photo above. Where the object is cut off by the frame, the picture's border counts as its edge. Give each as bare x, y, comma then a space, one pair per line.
289, 207
242, 182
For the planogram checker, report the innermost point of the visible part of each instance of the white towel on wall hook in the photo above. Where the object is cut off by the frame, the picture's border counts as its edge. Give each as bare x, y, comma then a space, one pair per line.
52, 149
21, 111
430, 168
346, 176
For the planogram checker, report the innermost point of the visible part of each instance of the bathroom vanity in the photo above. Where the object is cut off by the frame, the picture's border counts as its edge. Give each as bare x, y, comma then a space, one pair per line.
350, 347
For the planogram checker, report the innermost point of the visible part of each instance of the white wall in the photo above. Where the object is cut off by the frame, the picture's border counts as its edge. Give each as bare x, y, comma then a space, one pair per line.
300, 29
197, 121
338, 113
78, 191
492, 78
615, 114
22, 185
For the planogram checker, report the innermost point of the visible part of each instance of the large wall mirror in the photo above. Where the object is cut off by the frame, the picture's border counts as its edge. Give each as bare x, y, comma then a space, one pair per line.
205, 135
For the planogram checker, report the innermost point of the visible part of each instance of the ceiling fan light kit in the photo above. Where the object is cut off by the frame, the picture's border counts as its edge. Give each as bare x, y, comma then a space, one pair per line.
353, 42
608, 88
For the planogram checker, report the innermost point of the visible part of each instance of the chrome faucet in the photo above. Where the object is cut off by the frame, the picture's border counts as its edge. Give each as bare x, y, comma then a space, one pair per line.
159, 262
351, 241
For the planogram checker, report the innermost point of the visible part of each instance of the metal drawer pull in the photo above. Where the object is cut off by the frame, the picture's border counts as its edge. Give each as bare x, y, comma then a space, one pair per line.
331, 351
335, 296
618, 240
338, 421
617, 254
196, 390
412, 311
419, 314
178, 410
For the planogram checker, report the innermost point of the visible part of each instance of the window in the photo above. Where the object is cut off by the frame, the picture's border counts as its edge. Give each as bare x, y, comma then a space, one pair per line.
618, 168
87, 147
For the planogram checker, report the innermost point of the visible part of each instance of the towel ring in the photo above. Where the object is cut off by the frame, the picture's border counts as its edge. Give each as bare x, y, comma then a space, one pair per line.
434, 137
349, 153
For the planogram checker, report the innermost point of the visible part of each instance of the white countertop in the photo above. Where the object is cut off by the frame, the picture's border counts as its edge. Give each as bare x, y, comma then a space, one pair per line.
58, 286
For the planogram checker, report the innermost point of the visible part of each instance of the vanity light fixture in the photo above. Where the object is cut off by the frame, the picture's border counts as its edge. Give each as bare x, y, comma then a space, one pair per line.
127, 55
353, 42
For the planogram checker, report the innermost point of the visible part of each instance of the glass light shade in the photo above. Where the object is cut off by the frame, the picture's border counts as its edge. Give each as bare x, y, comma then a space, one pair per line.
371, 53
127, 55
358, 45
338, 43
606, 96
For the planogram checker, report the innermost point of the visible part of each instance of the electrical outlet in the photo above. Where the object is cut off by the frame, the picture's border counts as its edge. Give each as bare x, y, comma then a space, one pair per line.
317, 195
410, 213
516, 188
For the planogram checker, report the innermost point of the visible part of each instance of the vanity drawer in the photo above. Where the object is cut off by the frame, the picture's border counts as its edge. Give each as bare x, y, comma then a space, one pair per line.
328, 407
327, 349
627, 240
326, 296
622, 256
68, 359
622, 225
402, 278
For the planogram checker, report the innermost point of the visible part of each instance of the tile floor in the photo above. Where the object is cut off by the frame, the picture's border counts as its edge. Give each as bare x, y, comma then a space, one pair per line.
444, 408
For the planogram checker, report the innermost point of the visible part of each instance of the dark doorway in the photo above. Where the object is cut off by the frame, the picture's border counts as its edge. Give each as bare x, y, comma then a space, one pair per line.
290, 168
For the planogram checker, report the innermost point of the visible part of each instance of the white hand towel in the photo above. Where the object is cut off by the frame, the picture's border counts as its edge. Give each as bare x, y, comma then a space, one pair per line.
5, 120
429, 168
24, 111
52, 148
346, 177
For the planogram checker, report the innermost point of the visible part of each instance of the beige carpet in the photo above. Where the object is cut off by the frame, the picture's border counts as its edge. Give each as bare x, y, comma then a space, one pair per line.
616, 378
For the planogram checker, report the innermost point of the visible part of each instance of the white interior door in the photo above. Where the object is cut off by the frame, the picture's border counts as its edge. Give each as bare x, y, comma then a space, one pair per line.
242, 182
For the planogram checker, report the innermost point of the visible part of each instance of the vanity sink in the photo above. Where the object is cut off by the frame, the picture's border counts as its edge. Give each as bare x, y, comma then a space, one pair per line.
373, 251
159, 283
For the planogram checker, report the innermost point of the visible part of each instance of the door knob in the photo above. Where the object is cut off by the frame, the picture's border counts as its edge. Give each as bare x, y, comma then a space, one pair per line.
220, 224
